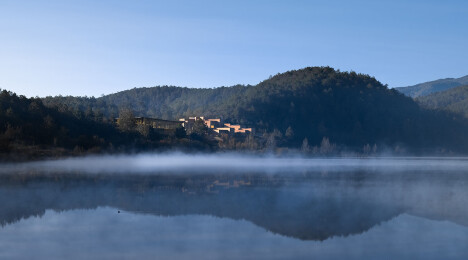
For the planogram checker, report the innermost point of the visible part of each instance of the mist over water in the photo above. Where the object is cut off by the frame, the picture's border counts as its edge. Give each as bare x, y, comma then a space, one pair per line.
233, 163
184, 206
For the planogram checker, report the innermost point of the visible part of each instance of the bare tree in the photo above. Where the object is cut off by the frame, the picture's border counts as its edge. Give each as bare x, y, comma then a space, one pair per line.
305, 146
126, 120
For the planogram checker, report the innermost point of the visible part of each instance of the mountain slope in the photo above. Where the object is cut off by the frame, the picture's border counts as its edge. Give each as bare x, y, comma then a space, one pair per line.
30, 129
316, 102
454, 99
430, 87
349, 108
166, 102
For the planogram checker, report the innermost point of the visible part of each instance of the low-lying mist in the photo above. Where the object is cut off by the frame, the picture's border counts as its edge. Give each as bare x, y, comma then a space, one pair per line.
231, 163
303, 198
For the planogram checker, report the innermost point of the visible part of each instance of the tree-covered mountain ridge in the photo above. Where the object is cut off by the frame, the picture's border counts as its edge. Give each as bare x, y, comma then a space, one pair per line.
430, 87
454, 99
171, 102
350, 109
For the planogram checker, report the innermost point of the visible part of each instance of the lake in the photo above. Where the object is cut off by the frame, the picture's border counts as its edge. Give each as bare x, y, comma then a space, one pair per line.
234, 207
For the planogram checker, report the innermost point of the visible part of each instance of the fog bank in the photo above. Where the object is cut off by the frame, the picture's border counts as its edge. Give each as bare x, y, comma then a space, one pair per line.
212, 163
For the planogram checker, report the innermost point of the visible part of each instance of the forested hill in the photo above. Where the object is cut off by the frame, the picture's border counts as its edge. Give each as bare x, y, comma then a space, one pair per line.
435, 86
350, 109
28, 130
166, 102
454, 99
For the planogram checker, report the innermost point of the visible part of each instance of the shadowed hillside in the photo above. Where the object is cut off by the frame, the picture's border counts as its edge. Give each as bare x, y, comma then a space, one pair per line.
350, 109
28, 129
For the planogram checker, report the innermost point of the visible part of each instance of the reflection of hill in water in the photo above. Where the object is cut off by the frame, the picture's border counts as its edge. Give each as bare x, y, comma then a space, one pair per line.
313, 207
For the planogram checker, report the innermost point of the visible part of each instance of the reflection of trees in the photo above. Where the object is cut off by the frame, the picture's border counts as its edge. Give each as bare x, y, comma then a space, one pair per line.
313, 207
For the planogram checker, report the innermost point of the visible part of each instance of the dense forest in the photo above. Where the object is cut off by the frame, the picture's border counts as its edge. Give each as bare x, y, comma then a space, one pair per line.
454, 99
435, 86
301, 108
28, 129
165, 102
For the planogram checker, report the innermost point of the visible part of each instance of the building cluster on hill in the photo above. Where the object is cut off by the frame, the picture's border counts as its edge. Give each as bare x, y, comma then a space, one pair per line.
215, 124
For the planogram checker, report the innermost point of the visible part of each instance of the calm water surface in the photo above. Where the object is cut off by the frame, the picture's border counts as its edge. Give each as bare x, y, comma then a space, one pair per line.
406, 211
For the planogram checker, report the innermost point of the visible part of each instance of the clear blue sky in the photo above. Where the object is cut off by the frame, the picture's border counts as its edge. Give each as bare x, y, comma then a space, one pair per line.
101, 47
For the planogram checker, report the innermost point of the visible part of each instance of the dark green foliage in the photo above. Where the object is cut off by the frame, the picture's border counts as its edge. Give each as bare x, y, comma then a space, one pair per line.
26, 124
166, 102
199, 128
435, 86
180, 132
455, 100
350, 109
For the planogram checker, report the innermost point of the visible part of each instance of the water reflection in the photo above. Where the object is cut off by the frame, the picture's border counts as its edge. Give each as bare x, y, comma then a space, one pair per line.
313, 206
310, 206
105, 234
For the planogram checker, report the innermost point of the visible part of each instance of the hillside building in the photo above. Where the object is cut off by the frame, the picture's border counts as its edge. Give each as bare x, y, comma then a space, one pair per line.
158, 123
215, 125
155, 123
